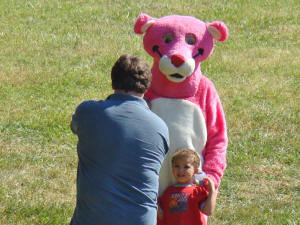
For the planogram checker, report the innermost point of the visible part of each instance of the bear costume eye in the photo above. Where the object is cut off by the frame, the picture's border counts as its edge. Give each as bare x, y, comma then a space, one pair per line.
190, 39
168, 38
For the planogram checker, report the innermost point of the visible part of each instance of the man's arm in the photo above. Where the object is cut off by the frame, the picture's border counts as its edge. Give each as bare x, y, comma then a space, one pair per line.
80, 117
74, 124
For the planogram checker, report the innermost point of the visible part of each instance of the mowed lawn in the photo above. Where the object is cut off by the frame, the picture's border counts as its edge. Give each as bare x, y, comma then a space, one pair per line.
55, 54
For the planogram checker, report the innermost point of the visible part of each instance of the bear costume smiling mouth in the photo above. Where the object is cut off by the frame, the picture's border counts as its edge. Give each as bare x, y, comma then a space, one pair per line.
176, 75
176, 68
178, 72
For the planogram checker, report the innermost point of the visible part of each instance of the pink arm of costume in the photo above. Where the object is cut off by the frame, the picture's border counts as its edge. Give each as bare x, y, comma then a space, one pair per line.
214, 153
149, 95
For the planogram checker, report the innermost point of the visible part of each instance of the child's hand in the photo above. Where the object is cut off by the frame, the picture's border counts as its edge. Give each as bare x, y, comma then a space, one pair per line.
207, 182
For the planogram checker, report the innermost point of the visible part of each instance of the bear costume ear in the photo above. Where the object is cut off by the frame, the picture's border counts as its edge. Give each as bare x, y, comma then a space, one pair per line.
142, 23
218, 30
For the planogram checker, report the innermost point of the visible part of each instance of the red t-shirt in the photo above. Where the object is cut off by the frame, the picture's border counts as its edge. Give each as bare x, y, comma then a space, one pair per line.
180, 205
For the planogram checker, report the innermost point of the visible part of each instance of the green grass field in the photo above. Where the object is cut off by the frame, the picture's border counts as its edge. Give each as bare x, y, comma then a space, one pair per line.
55, 54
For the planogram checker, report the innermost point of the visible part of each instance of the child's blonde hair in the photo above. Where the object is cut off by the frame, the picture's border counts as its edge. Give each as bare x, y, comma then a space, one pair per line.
187, 153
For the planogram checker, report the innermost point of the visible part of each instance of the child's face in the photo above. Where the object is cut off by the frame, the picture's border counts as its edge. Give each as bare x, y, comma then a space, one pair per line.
183, 170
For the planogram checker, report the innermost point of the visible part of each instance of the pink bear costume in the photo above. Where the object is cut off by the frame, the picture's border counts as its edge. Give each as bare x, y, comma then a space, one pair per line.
185, 99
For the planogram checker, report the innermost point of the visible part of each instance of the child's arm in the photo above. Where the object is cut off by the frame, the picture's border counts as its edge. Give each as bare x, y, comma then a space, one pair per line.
210, 203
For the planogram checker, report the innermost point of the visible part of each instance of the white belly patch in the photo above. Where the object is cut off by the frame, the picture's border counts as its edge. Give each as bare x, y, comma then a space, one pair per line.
187, 129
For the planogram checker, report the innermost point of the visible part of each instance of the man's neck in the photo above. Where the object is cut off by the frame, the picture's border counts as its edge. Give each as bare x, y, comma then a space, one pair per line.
129, 93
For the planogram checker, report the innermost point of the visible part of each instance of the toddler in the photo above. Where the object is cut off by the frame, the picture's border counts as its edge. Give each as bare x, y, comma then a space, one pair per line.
185, 202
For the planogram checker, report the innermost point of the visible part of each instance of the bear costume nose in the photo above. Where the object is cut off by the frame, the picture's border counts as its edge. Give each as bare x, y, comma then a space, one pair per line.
177, 60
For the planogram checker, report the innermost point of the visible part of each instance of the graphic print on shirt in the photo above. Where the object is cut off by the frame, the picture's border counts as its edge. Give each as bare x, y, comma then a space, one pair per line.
178, 202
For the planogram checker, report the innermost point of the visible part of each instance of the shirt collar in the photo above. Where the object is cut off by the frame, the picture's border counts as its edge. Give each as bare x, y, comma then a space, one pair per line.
127, 97
183, 185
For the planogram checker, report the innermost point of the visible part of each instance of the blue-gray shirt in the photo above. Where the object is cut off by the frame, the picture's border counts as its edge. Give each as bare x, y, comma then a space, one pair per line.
121, 146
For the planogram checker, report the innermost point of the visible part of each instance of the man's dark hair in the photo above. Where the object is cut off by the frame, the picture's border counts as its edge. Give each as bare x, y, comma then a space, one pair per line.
130, 73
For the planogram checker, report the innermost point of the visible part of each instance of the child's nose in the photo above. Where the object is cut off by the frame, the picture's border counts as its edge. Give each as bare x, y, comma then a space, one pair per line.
181, 169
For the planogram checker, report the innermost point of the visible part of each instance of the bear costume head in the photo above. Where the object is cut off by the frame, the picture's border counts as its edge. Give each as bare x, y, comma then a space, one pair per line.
178, 44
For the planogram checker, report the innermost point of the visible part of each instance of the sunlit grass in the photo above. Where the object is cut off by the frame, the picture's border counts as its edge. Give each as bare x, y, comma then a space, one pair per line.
55, 54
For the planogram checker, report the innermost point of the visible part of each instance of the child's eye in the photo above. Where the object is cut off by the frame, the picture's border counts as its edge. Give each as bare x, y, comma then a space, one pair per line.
168, 38
190, 39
